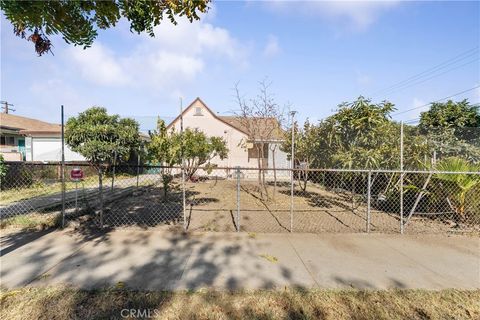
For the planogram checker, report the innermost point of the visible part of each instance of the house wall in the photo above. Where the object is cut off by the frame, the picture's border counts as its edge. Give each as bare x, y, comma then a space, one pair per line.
49, 149
281, 160
11, 156
12, 152
211, 126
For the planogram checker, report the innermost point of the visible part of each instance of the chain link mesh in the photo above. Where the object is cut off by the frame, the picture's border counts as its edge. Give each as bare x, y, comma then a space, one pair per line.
243, 199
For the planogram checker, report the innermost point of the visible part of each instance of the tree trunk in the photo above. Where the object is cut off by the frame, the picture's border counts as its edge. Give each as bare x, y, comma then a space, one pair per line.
305, 179
165, 180
259, 161
100, 191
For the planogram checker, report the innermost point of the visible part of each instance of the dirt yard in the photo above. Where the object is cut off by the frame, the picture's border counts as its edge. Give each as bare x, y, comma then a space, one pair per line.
212, 206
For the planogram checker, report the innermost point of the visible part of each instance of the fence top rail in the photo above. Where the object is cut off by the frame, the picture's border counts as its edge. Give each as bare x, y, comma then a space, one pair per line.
342, 170
234, 168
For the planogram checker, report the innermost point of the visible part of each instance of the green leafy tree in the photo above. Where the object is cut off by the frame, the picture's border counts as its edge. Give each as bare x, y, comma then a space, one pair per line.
199, 150
459, 186
453, 129
164, 149
98, 136
78, 21
360, 135
356, 135
3, 167
3, 170
307, 145
461, 116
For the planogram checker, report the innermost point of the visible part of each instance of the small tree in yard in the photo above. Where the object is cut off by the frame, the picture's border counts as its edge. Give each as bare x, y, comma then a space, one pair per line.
198, 150
165, 149
96, 135
306, 145
459, 185
261, 118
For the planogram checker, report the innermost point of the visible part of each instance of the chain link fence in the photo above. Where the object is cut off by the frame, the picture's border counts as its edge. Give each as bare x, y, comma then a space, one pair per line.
242, 199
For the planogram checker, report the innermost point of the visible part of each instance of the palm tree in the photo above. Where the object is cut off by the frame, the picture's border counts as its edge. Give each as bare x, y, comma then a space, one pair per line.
459, 183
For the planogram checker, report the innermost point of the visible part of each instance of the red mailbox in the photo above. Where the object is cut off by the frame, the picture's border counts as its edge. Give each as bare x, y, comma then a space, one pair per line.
76, 174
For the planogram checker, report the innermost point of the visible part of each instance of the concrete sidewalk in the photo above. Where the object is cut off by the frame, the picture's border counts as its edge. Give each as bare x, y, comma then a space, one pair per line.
170, 261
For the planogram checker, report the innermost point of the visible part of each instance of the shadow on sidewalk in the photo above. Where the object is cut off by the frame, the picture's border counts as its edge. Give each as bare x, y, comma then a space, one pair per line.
14, 240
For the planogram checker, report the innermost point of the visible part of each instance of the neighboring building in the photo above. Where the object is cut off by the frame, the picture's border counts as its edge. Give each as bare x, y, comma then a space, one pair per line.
241, 146
26, 139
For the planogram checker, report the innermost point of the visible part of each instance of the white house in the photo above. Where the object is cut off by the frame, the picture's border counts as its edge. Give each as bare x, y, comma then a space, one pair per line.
26, 139
240, 142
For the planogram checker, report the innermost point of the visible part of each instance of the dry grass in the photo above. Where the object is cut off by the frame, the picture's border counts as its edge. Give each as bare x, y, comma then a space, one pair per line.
68, 303
41, 189
32, 221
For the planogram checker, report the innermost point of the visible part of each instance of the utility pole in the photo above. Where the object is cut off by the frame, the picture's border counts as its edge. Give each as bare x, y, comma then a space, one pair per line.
6, 107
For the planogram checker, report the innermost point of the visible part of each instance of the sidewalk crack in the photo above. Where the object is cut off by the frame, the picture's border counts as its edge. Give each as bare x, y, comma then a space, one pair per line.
303, 262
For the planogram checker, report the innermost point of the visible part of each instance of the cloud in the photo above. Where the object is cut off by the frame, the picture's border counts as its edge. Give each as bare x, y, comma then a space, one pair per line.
53, 92
272, 48
355, 14
99, 65
176, 54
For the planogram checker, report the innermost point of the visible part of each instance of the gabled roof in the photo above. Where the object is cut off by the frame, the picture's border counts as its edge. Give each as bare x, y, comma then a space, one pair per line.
263, 127
236, 122
208, 109
28, 125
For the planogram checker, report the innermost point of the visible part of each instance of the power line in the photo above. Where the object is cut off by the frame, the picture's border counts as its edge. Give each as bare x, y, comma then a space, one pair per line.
464, 55
427, 104
434, 76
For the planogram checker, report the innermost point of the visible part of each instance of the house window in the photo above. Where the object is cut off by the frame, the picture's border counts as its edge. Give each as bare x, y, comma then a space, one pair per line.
253, 152
198, 111
7, 141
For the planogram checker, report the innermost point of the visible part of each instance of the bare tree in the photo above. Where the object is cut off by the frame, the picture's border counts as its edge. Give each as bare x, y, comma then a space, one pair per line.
261, 118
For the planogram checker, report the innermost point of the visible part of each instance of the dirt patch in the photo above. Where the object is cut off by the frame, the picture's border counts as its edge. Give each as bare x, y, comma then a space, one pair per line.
211, 205
315, 210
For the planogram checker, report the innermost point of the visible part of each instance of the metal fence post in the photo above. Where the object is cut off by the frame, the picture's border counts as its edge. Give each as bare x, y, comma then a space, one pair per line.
63, 170
291, 200
369, 197
100, 186
113, 169
401, 177
138, 165
184, 200
292, 155
238, 198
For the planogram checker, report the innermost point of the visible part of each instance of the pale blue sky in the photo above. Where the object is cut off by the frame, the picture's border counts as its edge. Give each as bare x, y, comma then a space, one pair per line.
317, 54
